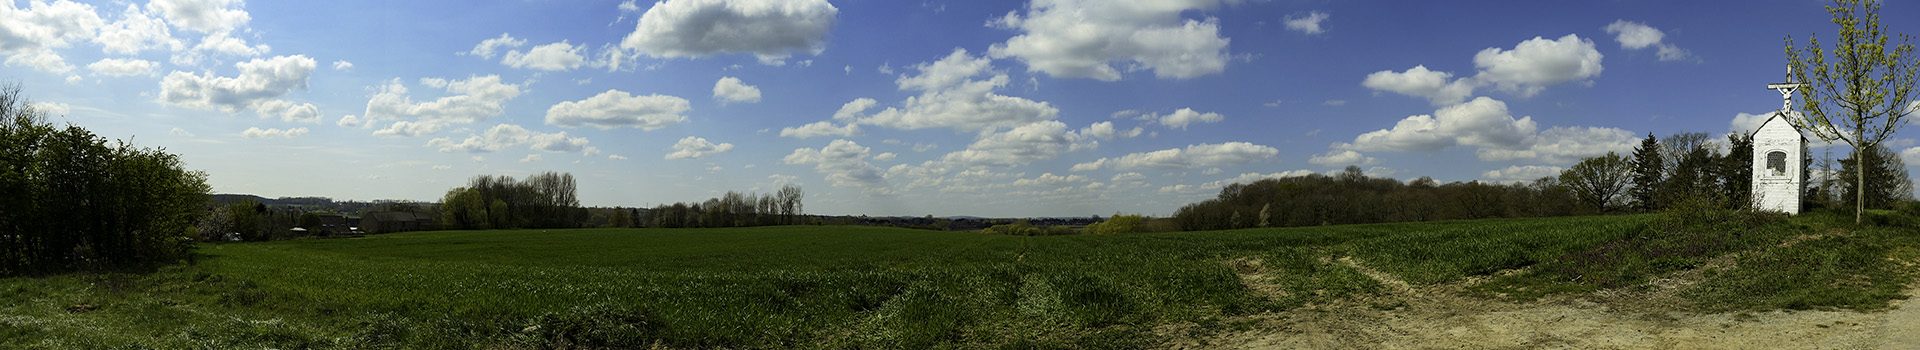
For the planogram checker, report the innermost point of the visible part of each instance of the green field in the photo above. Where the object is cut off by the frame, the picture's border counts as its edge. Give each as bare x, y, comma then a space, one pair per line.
849, 287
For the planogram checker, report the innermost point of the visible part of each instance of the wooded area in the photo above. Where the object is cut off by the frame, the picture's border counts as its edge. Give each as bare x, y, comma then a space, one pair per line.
69, 201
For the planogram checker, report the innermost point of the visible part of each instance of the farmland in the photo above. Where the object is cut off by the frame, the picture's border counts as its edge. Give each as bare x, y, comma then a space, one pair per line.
867, 287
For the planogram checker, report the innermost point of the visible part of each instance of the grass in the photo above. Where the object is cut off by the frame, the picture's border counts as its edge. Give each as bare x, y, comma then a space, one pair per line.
833, 287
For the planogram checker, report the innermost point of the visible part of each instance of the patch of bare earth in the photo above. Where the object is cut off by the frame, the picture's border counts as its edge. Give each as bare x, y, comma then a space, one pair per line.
1408, 316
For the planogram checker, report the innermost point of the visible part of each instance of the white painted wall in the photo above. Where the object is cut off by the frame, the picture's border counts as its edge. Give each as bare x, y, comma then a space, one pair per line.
1778, 192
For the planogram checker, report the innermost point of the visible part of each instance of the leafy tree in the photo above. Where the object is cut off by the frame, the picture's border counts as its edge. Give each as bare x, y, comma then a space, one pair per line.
1865, 94
1736, 170
1886, 176
1599, 182
1647, 171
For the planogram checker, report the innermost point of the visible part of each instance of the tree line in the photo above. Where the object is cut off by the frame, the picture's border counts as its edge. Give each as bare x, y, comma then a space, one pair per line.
69, 200
544, 200
1351, 197
732, 209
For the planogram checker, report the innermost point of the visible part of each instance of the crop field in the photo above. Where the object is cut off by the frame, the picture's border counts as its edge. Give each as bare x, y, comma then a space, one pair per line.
817, 286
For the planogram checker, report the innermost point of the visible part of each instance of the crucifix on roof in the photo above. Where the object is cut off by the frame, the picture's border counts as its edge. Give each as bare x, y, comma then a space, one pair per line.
1786, 90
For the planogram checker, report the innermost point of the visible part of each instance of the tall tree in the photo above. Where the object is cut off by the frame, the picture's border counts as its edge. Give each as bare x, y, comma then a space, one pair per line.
1599, 182
1647, 167
1865, 94
1885, 174
1736, 170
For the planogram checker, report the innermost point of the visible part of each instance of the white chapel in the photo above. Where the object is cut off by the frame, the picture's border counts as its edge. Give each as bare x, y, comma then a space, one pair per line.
1779, 175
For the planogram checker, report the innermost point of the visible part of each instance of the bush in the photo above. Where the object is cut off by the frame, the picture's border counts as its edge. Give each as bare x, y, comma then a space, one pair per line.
70, 201
1023, 228
1118, 224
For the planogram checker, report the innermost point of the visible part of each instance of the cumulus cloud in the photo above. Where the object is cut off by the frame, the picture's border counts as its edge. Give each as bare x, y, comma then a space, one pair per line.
1106, 131
29, 35
1481, 122
844, 163
732, 90
51, 108
1436, 86
258, 133
560, 56
1049, 179
1246, 178
769, 29
202, 16
467, 101
1521, 173
1186, 116
951, 97
342, 65
1192, 157
504, 136
122, 67
820, 129
1636, 36
134, 32
615, 109
487, 48
1308, 23
259, 86
1020, 145
1536, 63
1563, 145
1341, 157
697, 147
1087, 39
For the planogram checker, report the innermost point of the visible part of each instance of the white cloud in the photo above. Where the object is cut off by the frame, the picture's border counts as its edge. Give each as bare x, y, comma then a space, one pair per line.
1247, 178
732, 90
467, 101
1308, 23
615, 108
616, 157
1635, 36
1536, 63
134, 32
256, 133
486, 48
1049, 180
122, 67
844, 163
203, 16
1192, 157
560, 56
769, 29
885, 157
51, 108
180, 132
1482, 122
1521, 173
1436, 86
949, 98
1085, 39
1185, 116
1021, 145
260, 86
1564, 145
697, 147
342, 65
1106, 131
530, 158
1340, 157
503, 136
820, 129
1911, 156
28, 36
1746, 123
348, 121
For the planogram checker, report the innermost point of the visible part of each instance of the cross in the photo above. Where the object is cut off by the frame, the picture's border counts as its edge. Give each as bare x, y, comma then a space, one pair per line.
1786, 90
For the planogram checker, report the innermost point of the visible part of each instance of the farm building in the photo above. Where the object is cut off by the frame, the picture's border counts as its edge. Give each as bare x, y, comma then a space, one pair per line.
395, 221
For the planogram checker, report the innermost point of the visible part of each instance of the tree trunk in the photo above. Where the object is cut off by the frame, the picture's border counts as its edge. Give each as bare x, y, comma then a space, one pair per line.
1860, 186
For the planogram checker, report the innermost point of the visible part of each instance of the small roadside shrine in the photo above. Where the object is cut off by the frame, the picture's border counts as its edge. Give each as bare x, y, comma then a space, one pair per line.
1779, 173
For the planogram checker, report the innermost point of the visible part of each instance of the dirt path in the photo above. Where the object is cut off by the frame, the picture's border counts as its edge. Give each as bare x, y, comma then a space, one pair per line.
1441, 317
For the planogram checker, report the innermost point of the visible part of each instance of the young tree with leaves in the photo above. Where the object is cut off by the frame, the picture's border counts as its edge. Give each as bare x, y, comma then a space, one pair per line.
1865, 94
1599, 182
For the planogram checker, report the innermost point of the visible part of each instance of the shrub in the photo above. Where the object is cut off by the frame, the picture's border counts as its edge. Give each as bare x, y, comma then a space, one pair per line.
1118, 224
1023, 228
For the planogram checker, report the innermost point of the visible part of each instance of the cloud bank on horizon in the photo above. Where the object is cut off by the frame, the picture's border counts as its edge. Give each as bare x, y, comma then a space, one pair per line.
991, 108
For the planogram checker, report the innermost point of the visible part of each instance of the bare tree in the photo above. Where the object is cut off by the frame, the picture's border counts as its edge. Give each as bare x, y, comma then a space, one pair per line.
1866, 94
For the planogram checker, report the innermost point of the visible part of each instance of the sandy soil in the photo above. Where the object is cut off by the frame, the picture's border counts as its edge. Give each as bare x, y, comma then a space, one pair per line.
1441, 317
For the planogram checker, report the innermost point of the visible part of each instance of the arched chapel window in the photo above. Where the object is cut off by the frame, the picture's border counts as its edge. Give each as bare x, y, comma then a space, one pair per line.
1777, 163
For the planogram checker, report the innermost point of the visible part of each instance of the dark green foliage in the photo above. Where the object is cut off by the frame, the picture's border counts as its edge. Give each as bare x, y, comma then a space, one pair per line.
1648, 173
1886, 176
1684, 237
732, 210
1119, 224
1353, 198
1024, 228
1599, 182
69, 200
544, 200
1736, 171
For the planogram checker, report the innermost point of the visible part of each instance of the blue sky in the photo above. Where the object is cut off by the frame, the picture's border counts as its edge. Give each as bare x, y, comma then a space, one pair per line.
991, 108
